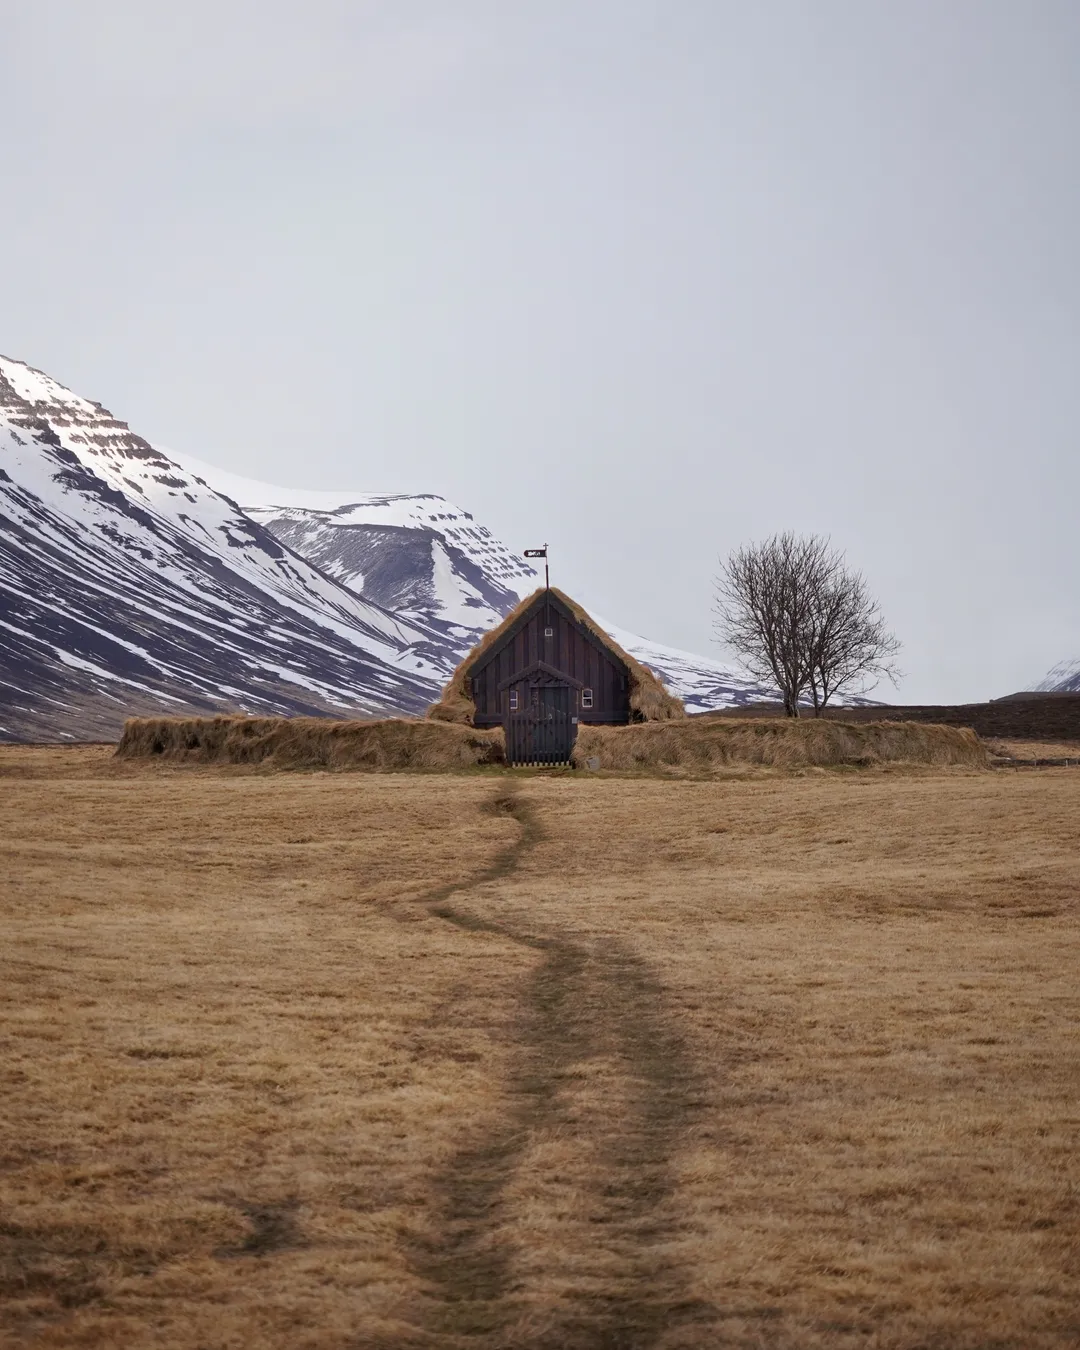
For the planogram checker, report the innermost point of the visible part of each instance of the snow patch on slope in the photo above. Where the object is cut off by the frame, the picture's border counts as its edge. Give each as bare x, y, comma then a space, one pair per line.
1064, 678
702, 682
418, 555
420, 511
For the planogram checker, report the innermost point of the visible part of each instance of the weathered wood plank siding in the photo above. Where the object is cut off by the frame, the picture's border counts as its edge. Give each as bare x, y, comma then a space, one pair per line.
571, 651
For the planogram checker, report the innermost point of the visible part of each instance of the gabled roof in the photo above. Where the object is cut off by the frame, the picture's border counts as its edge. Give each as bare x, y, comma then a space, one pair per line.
649, 700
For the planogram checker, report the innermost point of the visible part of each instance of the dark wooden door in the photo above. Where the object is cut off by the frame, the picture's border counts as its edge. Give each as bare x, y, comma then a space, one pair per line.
542, 732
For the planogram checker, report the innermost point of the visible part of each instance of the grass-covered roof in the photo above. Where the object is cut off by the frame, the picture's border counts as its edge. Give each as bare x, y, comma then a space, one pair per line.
649, 700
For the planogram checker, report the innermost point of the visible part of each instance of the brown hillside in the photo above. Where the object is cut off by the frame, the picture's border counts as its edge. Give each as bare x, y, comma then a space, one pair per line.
1033, 717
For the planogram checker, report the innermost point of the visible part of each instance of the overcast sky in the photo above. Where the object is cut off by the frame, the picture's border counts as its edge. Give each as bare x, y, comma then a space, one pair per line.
645, 280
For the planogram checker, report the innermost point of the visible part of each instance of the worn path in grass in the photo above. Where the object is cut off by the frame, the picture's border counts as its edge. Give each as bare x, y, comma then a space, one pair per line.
587, 1008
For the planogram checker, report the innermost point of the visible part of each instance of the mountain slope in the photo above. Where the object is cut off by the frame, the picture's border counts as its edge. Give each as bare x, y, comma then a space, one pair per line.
418, 555
1063, 679
127, 584
702, 683
438, 565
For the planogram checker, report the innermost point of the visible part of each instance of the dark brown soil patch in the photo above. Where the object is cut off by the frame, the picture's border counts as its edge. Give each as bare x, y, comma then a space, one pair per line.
273, 1229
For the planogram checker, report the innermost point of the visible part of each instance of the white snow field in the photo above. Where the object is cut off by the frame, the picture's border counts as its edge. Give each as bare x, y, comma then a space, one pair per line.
1064, 678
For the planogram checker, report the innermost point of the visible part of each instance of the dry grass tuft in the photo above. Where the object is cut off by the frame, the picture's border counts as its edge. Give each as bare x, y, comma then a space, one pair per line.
311, 742
705, 744
649, 700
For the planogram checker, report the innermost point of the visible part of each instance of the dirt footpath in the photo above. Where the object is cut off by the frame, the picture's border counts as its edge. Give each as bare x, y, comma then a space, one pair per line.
591, 1009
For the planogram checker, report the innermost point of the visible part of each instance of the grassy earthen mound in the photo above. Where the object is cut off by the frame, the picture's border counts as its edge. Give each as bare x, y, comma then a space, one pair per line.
312, 742
700, 744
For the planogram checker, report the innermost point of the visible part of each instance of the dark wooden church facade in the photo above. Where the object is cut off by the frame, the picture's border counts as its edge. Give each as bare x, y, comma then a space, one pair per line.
542, 677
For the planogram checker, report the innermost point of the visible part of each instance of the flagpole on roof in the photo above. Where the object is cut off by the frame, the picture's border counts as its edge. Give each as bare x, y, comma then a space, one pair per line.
541, 553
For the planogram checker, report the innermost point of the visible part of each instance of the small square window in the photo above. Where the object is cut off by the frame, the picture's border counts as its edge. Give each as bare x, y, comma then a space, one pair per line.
586, 698
549, 632
513, 700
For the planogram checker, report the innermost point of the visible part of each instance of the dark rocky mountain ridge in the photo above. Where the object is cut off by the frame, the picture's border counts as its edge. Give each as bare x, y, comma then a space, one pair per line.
127, 584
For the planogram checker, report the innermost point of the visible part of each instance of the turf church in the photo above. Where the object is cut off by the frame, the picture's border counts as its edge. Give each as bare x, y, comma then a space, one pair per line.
545, 670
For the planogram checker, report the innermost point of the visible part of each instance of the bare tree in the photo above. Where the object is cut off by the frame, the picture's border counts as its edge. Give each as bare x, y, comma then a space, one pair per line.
800, 619
851, 648
765, 606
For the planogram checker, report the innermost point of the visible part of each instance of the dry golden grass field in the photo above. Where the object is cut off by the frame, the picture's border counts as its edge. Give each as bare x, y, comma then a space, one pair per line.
352, 1061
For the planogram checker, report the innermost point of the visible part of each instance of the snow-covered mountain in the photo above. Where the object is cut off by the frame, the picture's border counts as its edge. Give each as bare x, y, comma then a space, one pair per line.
417, 555
432, 562
702, 683
127, 584
134, 580
1063, 679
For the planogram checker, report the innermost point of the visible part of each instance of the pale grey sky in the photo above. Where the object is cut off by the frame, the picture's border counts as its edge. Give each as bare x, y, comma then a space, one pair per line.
644, 279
